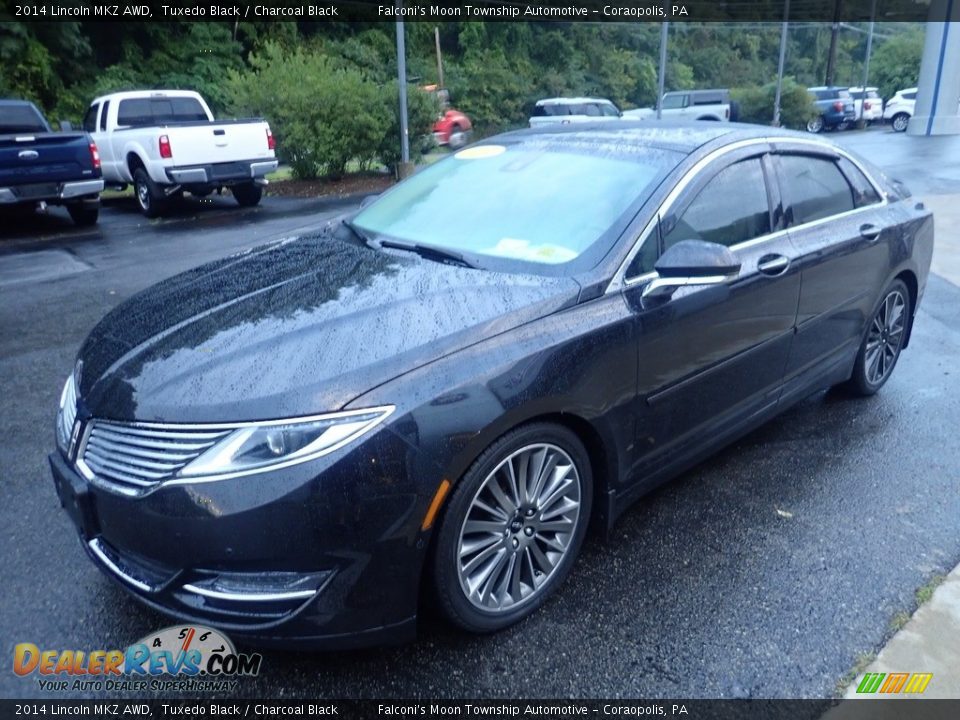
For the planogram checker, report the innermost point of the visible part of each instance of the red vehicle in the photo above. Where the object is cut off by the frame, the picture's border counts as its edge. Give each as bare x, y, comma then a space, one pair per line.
453, 128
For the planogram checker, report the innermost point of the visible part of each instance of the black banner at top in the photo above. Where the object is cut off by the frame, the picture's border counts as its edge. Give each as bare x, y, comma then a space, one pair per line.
471, 10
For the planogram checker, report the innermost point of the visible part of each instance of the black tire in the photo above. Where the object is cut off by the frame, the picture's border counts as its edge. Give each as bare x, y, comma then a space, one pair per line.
84, 214
864, 381
450, 593
458, 137
815, 125
149, 195
247, 194
899, 122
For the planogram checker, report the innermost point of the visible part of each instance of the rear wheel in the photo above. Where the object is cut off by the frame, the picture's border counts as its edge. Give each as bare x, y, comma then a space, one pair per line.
247, 194
900, 122
881, 347
149, 194
815, 125
84, 214
513, 528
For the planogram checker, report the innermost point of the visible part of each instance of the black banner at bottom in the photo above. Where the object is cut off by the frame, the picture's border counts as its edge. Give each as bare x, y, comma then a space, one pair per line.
865, 709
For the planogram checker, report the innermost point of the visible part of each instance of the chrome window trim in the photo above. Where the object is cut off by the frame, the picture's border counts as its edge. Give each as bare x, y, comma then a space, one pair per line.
620, 281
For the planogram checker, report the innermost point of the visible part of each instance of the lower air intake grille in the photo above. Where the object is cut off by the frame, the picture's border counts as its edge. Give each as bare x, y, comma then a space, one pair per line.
138, 457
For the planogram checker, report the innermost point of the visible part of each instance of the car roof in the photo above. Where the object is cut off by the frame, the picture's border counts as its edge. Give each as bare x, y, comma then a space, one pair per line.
682, 136
571, 100
10, 102
128, 94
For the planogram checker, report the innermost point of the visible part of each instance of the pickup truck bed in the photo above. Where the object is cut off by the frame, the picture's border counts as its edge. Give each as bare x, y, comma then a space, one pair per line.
40, 166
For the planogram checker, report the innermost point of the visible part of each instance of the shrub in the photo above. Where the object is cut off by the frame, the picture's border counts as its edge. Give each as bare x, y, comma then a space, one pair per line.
756, 104
325, 115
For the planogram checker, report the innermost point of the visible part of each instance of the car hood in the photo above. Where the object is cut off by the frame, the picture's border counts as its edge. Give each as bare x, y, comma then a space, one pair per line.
296, 328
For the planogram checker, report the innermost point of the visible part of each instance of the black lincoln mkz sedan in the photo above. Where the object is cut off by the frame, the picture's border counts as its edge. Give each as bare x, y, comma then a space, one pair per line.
442, 390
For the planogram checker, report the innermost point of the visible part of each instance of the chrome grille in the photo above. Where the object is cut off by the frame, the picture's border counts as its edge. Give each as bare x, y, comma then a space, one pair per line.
137, 457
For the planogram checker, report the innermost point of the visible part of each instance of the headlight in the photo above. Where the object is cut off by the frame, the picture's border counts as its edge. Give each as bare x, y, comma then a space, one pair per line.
276, 444
67, 413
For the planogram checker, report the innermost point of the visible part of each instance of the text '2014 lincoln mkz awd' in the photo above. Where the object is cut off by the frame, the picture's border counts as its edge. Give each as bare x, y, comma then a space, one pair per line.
441, 391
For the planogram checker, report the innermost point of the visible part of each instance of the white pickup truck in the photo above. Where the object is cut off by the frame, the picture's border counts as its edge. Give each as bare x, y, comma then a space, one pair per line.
166, 142
691, 105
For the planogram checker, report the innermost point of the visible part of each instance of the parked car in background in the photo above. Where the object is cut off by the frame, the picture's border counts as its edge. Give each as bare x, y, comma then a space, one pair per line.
39, 166
867, 104
713, 105
441, 392
563, 111
835, 109
452, 128
899, 109
167, 141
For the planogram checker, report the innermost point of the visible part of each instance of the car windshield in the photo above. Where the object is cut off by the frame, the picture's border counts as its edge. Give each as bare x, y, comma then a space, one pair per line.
541, 201
20, 119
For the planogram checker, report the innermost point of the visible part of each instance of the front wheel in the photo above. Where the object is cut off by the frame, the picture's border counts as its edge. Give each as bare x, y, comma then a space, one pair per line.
900, 122
815, 125
513, 528
884, 340
247, 194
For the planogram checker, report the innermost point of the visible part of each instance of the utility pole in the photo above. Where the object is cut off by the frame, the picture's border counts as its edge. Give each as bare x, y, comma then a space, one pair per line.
832, 54
405, 167
661, 80
783, 56
866, 62
436, 40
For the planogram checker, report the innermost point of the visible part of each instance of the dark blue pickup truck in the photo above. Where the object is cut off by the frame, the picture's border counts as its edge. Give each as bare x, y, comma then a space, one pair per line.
39, 166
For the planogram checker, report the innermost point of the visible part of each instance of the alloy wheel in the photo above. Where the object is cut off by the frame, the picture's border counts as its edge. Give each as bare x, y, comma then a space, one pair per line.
885, 337
143, 195
900, 122
519, 526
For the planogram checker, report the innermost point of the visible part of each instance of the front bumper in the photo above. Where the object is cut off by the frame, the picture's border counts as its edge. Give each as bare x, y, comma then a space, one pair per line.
314, 557
222, 173
50, 192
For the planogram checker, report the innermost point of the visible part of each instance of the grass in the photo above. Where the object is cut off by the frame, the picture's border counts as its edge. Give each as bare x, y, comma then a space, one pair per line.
862, 663
925, 591
898, 621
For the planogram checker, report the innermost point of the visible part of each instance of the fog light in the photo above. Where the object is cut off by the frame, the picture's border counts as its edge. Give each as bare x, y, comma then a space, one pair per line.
260, 587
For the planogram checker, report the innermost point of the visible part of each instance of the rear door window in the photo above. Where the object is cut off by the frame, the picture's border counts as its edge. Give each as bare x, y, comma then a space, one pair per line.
90, 119
813, 188
864, 193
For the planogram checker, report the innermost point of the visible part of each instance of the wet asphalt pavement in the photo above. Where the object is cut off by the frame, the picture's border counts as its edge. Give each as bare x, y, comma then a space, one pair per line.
763, 572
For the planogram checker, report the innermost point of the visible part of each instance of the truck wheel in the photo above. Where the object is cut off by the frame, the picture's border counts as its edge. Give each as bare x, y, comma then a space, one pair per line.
149, 195
815, 125
84, 214
900, 122
247, 194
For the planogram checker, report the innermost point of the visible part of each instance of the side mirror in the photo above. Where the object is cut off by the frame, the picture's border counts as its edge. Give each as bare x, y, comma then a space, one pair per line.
692, 262
66, 126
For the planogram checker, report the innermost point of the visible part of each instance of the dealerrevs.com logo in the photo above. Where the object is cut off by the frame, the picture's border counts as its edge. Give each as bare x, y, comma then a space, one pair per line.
181, 657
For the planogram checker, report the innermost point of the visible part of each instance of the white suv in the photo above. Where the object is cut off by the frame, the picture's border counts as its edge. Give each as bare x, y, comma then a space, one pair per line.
868, 102
899, 108
564, 111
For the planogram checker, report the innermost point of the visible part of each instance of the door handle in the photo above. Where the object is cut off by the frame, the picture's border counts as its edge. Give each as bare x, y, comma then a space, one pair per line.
870, 232
773, 264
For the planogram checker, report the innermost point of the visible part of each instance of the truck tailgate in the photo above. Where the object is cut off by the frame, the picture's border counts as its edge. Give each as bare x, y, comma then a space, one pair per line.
45, 157
218, 143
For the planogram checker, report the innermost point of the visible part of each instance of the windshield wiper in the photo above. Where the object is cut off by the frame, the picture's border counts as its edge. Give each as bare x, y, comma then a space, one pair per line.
430, 252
